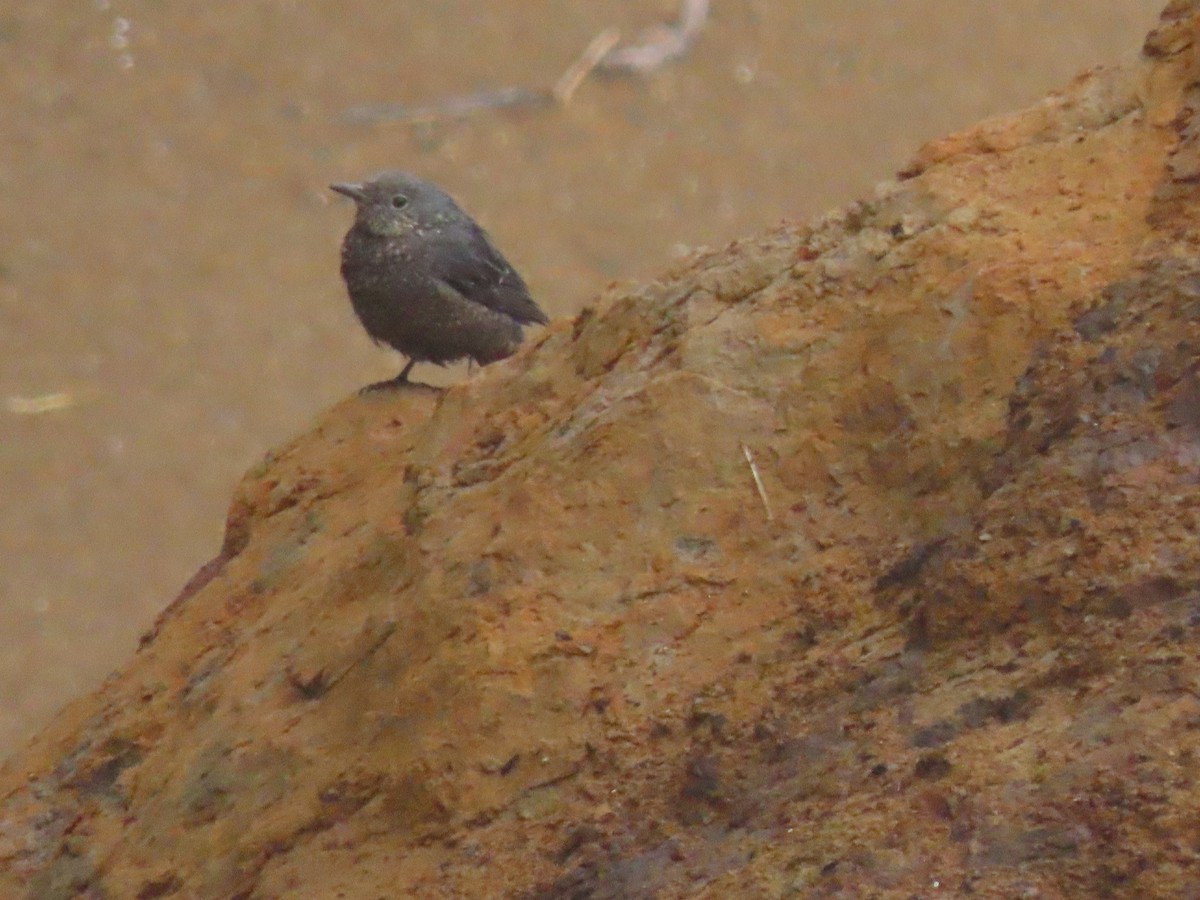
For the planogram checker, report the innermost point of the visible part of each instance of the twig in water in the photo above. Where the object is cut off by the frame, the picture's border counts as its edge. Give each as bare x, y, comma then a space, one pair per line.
32, 406
450, 108
762, 491
658, 46
591, 57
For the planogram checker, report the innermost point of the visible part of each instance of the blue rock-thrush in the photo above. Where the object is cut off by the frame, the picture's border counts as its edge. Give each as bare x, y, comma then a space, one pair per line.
425, 279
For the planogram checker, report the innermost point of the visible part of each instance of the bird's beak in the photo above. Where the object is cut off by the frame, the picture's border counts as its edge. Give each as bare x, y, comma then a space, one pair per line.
353, 191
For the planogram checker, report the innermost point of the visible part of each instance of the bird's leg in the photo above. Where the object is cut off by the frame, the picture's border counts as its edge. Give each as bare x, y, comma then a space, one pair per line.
399, 381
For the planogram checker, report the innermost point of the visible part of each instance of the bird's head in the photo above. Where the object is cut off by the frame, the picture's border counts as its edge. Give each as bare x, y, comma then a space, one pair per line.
396, 203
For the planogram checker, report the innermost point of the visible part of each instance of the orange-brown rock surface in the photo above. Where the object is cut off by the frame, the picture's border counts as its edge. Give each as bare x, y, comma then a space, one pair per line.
857, 559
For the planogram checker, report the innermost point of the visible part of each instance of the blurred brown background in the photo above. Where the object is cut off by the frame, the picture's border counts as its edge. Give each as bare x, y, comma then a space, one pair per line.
170, 305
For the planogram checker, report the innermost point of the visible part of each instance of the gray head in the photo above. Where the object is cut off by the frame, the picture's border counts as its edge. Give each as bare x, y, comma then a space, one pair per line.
396, 203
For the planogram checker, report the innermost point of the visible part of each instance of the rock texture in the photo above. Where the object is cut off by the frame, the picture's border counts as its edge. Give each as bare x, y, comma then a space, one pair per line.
857, 559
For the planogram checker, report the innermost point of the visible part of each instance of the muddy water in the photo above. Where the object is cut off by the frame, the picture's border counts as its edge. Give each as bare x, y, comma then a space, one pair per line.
169, 297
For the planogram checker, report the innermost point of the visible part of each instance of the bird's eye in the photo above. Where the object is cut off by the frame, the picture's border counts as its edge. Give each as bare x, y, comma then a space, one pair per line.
399, 201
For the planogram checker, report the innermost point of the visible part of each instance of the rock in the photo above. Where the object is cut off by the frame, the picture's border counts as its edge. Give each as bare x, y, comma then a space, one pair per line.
542, 636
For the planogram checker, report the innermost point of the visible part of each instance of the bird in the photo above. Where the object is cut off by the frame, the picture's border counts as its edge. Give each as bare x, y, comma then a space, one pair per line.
425, 279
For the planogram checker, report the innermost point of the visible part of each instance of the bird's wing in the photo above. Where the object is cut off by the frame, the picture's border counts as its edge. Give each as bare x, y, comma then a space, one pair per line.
483, 275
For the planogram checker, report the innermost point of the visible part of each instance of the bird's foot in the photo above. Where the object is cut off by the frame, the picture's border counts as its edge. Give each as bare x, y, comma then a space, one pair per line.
400, 381
397, 384
389, 384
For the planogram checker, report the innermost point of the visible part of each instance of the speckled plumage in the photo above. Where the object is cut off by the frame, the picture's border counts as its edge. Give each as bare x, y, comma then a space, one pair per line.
425, 279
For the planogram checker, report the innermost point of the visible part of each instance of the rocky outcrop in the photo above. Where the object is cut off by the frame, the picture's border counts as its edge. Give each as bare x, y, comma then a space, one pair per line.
859, 558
